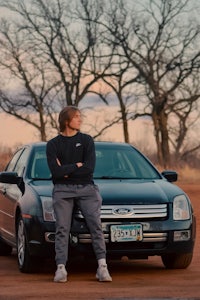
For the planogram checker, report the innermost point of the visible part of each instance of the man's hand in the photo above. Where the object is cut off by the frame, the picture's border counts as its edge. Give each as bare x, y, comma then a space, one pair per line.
58, 162
79, 164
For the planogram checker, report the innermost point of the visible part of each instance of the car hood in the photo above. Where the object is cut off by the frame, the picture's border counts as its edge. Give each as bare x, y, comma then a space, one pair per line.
137, 191
42, 187
115, 191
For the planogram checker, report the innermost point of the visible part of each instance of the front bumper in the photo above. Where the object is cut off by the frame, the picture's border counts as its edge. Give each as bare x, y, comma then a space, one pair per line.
159, 238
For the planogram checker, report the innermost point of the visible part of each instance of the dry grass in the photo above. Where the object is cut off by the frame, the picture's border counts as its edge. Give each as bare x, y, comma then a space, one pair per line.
4, 159
188, 175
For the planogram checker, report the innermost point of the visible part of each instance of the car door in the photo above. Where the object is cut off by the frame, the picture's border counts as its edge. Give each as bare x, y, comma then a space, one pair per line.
9, 195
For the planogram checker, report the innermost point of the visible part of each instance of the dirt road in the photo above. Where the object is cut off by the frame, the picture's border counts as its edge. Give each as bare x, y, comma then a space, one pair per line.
131, 279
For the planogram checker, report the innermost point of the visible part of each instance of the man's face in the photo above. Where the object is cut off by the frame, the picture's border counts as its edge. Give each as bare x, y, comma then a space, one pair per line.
75, 122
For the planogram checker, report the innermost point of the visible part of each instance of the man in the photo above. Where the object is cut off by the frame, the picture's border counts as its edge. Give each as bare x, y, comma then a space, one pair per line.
71, 159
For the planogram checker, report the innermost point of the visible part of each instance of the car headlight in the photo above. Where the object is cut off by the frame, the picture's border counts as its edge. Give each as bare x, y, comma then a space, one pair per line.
181, 208
47, 208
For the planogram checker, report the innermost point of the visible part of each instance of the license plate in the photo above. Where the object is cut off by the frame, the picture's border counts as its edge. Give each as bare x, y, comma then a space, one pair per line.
126, 233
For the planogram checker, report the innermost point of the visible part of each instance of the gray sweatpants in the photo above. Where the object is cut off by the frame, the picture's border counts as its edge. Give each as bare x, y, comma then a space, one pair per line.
88, 199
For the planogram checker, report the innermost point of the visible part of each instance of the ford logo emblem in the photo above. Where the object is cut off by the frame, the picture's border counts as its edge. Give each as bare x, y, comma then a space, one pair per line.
122, 211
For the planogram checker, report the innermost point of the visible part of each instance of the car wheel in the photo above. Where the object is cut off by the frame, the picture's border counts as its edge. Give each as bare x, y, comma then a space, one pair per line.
25, 261
177, 261
5, 249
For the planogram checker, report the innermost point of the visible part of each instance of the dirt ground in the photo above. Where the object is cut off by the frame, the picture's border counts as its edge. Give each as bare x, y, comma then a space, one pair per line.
137, 279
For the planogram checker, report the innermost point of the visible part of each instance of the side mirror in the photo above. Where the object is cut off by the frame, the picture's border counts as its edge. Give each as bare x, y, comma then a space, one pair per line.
9, 177
171, 176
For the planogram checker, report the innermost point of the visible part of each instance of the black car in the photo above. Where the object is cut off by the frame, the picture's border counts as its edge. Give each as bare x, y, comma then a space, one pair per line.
143, 213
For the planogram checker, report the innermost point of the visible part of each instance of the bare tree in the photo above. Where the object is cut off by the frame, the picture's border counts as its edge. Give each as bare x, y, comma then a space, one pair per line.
52, 54
34, 86
117, 72
185, 114
162, 48
119, 86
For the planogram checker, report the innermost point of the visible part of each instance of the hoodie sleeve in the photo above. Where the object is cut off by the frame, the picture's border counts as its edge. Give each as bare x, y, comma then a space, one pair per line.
57, 170
88, 159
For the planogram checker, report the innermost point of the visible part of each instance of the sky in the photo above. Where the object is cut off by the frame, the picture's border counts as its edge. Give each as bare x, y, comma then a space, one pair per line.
14, 132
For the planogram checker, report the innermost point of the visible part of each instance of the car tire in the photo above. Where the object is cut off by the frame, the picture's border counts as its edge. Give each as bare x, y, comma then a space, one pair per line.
25, 260
177, 261
5, 249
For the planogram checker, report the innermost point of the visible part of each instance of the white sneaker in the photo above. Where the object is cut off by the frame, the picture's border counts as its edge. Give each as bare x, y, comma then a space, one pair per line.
61, 274
103, 274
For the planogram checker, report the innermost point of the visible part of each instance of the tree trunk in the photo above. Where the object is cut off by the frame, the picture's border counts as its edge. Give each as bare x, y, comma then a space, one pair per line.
43, 135
124, 120
162, 138
125, 128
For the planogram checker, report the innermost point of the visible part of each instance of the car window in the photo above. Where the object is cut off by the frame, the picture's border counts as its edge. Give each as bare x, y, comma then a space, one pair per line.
22, 162
122, 163
40, 169
13, 161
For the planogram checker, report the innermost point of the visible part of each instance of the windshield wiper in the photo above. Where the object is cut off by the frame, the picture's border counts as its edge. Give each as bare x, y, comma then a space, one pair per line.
40, 178
113, 177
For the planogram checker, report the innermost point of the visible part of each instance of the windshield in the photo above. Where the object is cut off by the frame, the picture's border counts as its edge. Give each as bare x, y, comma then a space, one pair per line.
122, 162
112, 161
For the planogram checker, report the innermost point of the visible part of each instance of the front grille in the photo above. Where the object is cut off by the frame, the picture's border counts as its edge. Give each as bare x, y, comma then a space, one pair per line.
85, 238
149, 237
154, 211
116, 214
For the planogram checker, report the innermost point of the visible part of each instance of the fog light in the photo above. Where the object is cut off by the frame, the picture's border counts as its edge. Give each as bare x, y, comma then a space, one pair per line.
50, 237
182, 235
74, 239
